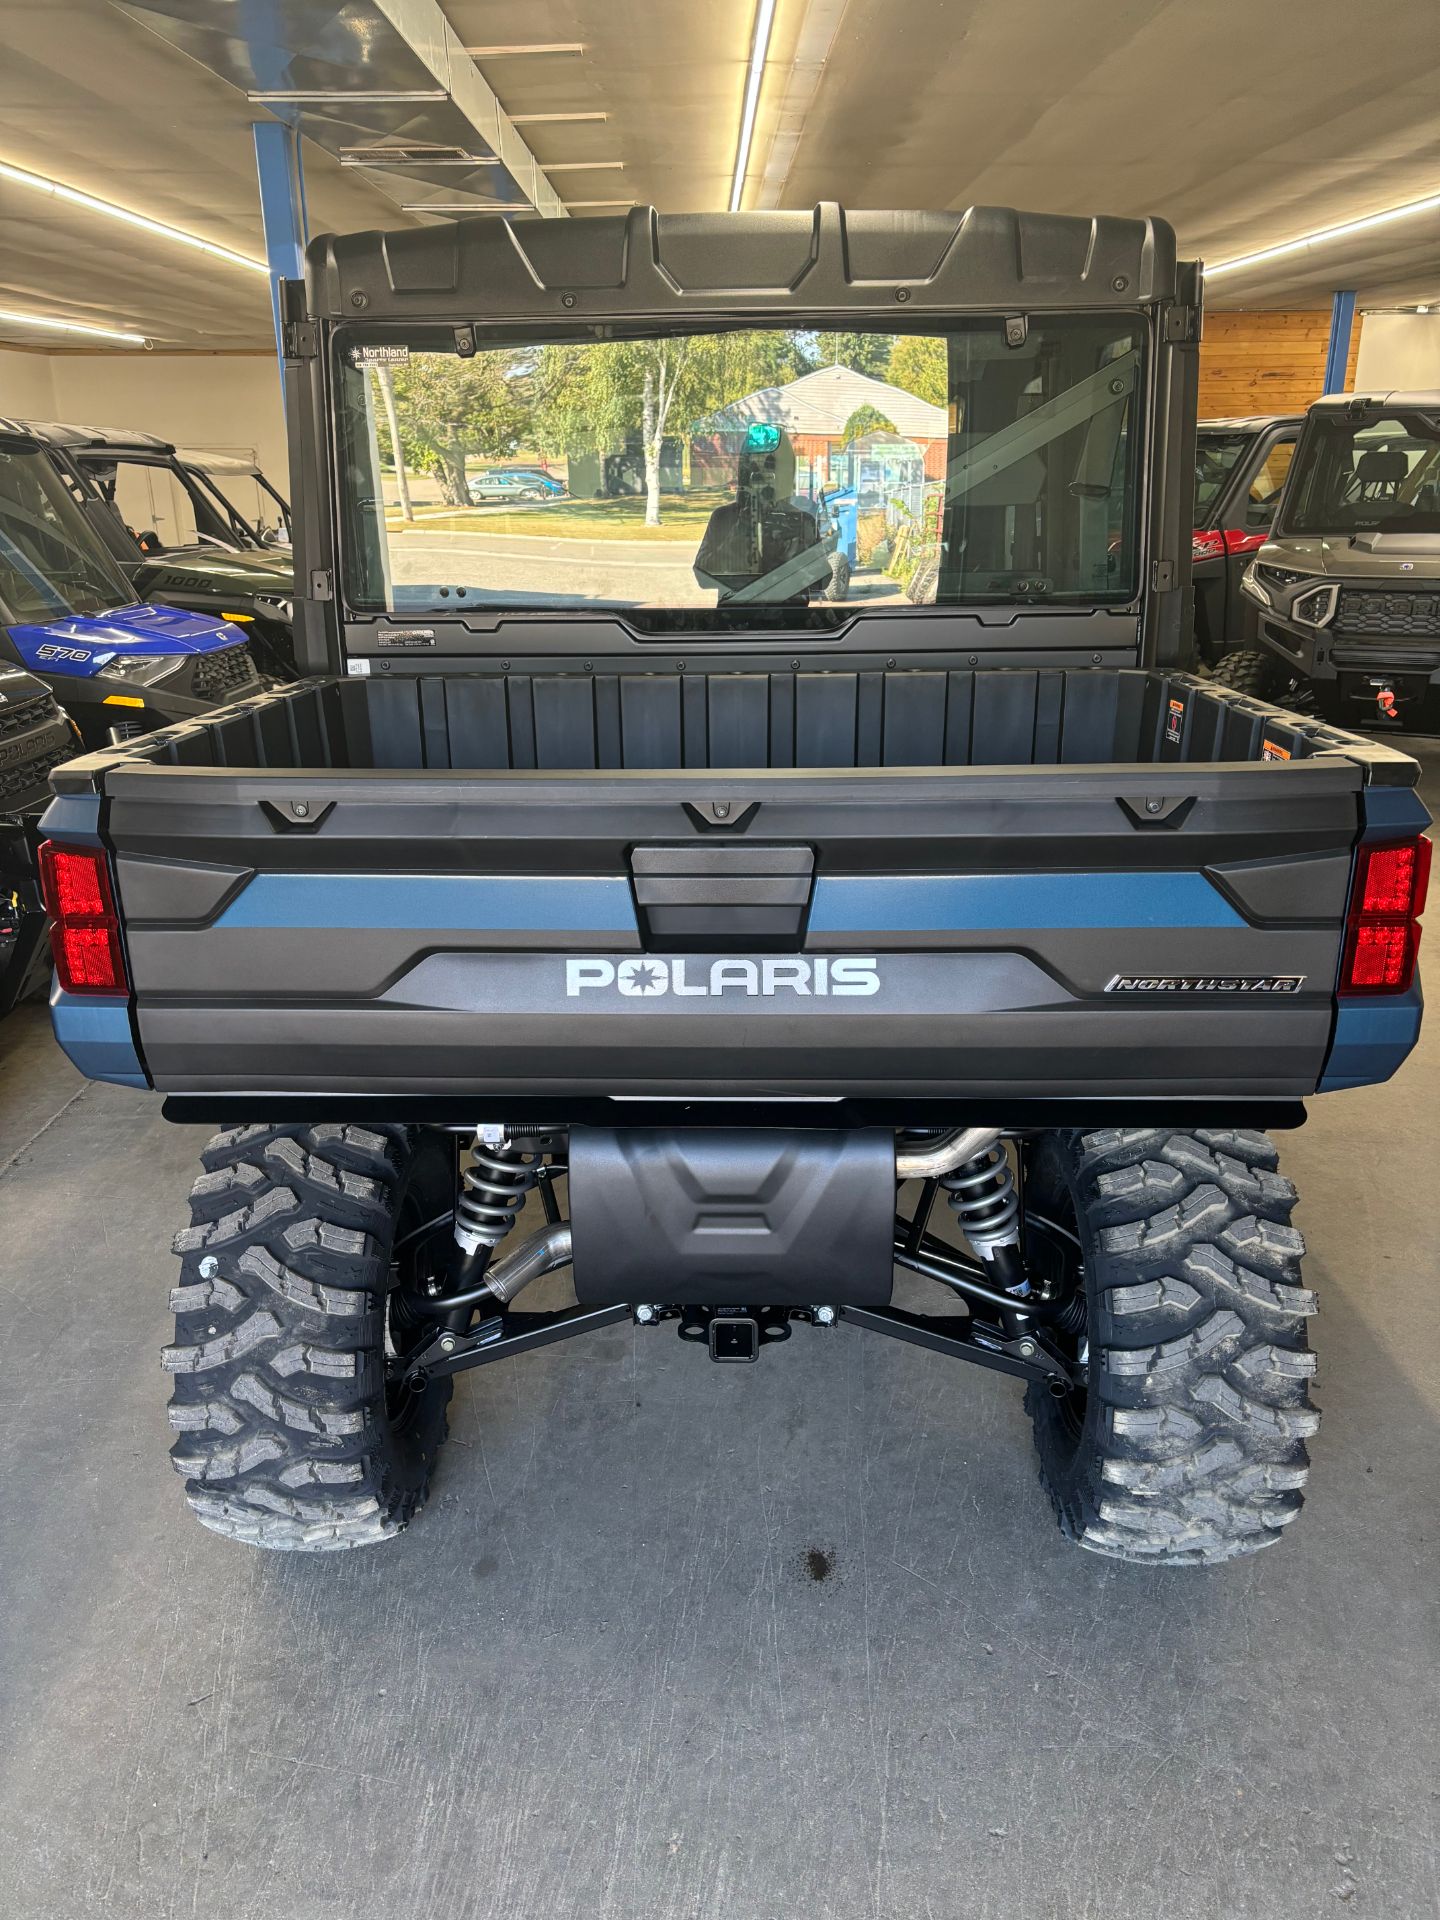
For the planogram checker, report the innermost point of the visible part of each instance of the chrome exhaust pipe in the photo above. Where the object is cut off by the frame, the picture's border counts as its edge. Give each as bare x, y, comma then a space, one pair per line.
541, 1253
943, 1156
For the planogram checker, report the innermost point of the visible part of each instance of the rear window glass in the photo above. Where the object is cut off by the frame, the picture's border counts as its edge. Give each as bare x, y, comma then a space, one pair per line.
752, 472
1216, 457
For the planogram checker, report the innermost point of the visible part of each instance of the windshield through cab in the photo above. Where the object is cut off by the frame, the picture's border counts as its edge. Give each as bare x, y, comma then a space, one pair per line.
51, 563
1216, 457
750, 470
1366, 474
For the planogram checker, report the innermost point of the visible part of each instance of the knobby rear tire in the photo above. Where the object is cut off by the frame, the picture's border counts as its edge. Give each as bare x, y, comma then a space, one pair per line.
1189, 1446
286, 1438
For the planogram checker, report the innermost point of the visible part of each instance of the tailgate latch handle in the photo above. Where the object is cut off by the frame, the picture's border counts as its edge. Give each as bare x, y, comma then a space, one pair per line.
297, 816
1157, 809
725, 815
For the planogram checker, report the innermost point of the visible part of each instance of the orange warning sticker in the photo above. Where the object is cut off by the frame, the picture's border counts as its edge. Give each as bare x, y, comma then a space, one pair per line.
1271, 750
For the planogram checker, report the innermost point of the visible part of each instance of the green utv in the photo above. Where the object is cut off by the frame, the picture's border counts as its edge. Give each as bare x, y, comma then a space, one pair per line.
749, 943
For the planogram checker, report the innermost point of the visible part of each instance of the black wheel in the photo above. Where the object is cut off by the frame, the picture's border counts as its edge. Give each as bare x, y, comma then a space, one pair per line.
839, 586
1248, 670
1186, 1443
305, 1246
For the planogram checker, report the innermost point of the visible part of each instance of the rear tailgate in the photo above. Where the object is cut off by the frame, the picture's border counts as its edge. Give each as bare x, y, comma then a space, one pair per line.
1050, 933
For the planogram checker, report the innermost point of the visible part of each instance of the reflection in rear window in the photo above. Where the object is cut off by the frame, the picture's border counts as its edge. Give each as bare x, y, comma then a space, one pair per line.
744, 470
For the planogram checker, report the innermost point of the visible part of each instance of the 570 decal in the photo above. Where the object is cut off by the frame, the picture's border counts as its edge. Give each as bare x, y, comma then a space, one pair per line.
647, 977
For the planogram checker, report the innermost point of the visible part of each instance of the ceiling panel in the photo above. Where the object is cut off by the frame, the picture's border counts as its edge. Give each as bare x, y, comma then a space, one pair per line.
89, 98
1245, 122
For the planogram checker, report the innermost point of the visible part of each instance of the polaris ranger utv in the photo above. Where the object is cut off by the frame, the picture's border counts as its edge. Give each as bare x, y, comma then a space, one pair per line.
789, 940
1344, 597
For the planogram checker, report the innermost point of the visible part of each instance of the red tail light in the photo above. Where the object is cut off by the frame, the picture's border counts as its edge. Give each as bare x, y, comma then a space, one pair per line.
1206, 546
84, 927
1382, 941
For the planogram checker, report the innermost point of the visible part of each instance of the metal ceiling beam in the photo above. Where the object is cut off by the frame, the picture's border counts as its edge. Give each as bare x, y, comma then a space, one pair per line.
435, 43
373, 75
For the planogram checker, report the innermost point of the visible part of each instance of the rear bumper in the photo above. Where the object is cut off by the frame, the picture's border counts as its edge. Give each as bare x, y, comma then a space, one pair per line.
906, 1026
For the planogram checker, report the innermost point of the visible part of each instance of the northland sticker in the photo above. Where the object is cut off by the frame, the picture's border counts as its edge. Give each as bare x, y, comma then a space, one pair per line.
699, 978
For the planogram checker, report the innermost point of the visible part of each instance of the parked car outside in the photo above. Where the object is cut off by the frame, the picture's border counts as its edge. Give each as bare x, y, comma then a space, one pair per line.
515, 483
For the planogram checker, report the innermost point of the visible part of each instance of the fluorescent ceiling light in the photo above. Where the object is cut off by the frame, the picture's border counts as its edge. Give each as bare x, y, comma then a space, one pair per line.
392, 157
343, 96
458, 206
583, 166
70, 326
1324, 234
73, 196
539, 46
547, 119
599, 203
759, 52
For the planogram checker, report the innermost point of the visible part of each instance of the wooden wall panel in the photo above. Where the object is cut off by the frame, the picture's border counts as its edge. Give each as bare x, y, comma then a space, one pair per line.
1265, 362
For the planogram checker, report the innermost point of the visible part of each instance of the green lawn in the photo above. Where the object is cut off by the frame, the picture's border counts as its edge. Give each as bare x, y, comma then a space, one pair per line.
682, 517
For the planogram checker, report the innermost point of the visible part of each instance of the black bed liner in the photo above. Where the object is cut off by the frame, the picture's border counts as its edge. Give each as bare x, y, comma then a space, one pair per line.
905, 718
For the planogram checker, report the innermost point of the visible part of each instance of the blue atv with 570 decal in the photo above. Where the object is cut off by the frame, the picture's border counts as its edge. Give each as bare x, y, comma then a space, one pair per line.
68, 615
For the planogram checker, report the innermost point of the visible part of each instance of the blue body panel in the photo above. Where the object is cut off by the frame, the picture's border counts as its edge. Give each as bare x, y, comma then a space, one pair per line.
474, 902
84, 645
94, 1034
1372, 1039
506, 902
991, 902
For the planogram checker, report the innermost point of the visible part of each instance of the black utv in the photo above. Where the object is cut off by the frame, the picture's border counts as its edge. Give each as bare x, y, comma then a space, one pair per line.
1344, 597
177, 534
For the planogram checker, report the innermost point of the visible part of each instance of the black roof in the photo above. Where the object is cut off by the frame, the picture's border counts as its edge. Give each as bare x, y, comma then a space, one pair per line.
62, 433
649, 264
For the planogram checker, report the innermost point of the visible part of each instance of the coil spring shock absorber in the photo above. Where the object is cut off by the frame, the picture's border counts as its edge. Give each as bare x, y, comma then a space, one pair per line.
981, 1191
492, 1191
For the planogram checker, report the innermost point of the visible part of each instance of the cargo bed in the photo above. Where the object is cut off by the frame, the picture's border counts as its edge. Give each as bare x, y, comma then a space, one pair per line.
1023, 887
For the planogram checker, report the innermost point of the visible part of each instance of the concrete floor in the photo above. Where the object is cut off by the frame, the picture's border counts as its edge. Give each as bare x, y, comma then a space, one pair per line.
600, 1677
